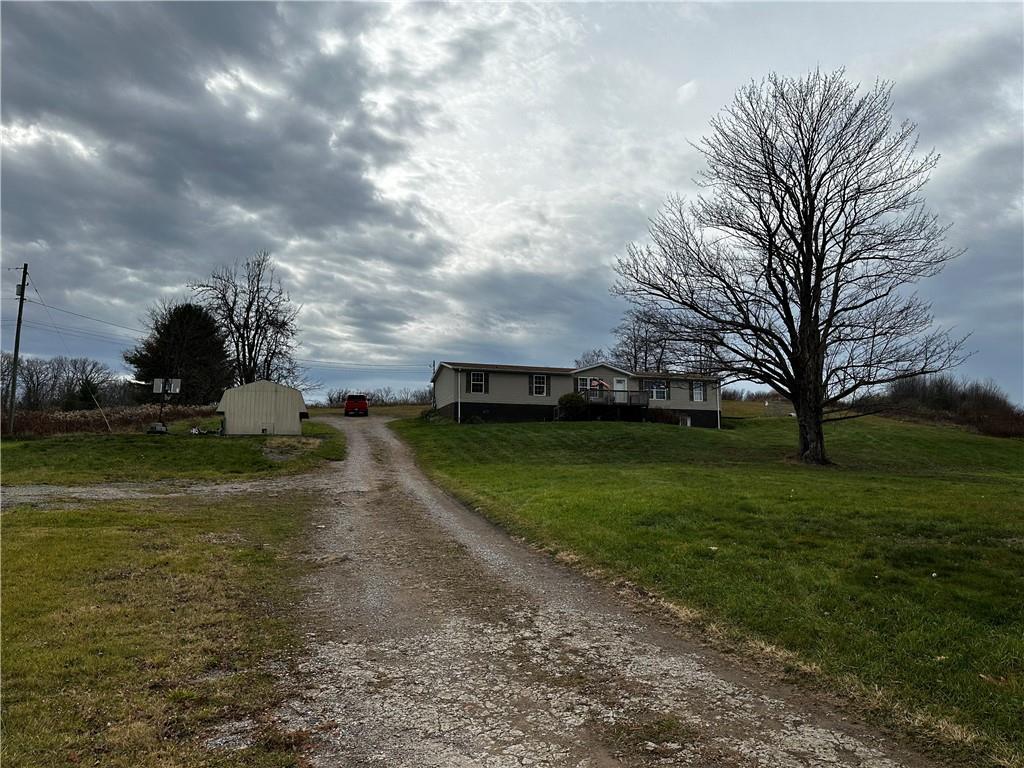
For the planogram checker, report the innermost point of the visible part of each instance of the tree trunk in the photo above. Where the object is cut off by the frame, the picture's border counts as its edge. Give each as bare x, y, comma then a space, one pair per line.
812, 436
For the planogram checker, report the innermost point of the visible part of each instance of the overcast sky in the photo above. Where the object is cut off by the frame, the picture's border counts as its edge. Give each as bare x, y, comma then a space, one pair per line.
452, 182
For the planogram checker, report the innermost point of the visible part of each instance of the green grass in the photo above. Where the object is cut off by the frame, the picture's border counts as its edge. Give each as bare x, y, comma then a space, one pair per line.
898, 573
83, 458
131, 629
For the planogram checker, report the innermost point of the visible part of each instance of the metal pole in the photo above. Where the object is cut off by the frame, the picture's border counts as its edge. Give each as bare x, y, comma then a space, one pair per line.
17, 344
718, 397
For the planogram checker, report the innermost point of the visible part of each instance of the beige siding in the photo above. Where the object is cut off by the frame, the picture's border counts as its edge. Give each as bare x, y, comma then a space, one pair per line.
680, 398
509, 388
513, 389
607, 375
444, 387
262, 407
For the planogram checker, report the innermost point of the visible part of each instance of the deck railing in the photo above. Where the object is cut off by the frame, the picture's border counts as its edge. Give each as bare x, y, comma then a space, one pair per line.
616, 396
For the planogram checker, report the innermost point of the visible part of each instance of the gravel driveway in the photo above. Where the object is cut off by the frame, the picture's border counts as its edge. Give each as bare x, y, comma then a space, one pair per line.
437, 640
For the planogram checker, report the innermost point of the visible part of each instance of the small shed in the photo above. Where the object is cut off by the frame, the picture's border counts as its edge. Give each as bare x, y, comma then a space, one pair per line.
262, 408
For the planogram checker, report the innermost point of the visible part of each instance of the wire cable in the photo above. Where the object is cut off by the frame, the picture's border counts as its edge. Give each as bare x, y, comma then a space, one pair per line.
331, 365
87, 317
67, 349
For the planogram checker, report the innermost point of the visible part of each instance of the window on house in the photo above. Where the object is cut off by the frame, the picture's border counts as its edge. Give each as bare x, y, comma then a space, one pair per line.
658, 389
540, 385
584, 383
698, 392
476, 382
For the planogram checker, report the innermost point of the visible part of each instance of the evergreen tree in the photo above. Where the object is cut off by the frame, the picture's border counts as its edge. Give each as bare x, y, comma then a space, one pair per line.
185, 342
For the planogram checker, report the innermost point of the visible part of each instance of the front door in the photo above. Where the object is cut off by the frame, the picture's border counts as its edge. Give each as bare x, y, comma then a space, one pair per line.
621, 395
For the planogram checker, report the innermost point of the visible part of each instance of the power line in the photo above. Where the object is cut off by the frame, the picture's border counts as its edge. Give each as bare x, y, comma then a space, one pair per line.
363, 369
87, 317
364, 365
78, 333
66, 349
325, 364
76, 329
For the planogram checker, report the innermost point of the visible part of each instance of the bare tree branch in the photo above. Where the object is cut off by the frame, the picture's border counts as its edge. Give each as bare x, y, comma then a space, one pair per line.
258, 318
795, 264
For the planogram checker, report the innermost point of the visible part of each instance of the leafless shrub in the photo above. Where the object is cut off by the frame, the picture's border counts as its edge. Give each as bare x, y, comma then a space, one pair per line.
981, 405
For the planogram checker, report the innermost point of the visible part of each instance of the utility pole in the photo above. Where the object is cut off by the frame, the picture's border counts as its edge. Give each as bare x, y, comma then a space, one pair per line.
17, 343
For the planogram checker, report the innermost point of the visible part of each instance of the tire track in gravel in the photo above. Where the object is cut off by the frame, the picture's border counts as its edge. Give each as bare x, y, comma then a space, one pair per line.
437, 640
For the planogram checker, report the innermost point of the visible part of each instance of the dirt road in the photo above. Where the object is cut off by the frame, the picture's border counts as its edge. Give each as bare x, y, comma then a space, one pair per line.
436, 640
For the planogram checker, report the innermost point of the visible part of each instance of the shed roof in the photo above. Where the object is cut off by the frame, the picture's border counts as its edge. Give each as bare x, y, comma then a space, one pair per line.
255, 387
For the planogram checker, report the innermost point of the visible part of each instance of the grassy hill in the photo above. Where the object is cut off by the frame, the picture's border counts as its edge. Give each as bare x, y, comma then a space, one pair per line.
895, 575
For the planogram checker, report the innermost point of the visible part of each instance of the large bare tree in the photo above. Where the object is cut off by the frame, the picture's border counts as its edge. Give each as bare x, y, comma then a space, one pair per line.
795, 265
258, 318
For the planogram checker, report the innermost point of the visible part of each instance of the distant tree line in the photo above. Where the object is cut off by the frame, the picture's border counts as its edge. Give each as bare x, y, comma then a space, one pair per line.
382, 396
64, 383
749, 395
981, 405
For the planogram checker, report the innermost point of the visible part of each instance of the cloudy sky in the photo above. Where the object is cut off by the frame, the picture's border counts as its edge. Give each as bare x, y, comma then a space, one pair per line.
451, 182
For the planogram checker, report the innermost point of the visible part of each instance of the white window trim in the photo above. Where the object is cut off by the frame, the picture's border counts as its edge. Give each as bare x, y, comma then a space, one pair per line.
659, 393
583, 383
474, 383
543, 385
700, 394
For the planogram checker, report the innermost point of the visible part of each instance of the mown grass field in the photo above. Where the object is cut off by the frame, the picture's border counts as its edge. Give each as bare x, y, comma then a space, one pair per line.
86, 458
896, 576
132, 629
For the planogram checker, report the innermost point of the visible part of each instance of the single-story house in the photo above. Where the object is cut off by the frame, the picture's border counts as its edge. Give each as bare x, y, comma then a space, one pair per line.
262, 408
530, 393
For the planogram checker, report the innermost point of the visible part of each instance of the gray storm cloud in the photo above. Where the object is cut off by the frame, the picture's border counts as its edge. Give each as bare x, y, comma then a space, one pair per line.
450, 181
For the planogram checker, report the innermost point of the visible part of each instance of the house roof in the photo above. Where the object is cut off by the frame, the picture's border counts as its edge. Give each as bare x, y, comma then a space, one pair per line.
496, 367
563, 371
603, 365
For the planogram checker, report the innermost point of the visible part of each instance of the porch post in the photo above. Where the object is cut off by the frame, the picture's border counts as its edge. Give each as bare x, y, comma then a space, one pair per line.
718, 398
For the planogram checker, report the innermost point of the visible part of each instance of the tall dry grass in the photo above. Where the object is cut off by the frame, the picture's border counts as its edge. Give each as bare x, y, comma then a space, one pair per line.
131, 418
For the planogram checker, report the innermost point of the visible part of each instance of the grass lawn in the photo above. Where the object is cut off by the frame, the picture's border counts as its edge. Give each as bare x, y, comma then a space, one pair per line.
898, 574
131, 629
86, 458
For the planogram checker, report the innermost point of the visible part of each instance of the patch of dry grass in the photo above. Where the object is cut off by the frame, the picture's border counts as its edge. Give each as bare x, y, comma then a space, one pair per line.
131, 630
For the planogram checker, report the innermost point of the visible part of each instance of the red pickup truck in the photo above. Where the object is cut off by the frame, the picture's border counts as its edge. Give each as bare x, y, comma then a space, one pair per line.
356, 405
